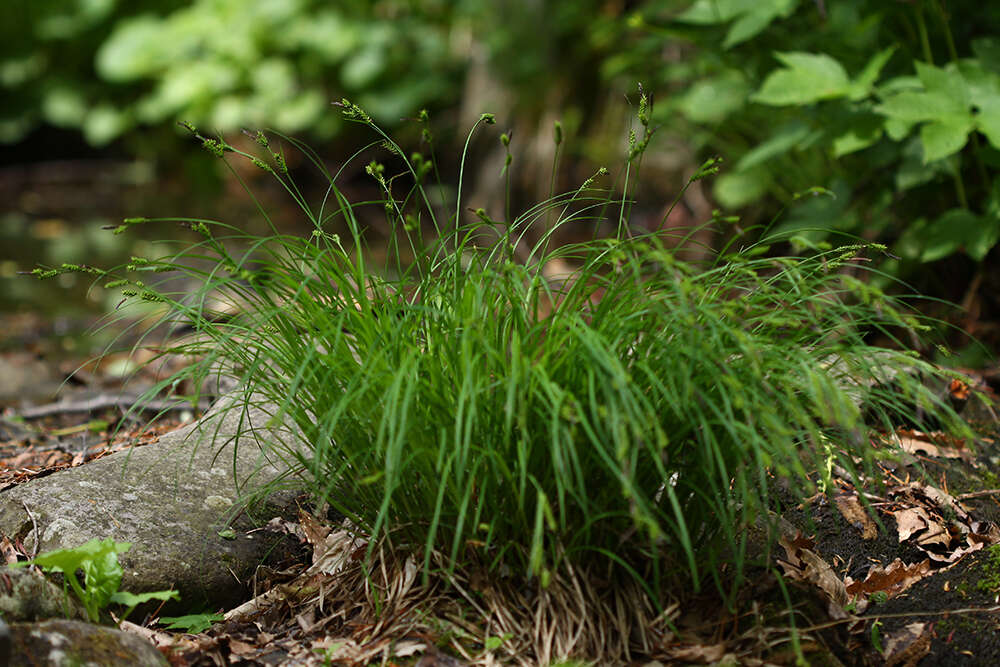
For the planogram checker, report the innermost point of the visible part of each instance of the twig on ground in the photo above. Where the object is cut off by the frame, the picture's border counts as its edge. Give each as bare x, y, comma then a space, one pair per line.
104, 401
978, 494
905, 614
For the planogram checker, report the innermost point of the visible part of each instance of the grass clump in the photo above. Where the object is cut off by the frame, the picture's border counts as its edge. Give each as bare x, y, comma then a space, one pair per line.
629, 418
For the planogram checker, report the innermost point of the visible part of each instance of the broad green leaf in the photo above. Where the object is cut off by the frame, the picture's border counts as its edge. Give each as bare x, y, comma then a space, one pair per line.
805, 79
132, 51
899, 84
944, 103
785, 139
135, 599
712, 12
749, 17
493, 643
912, 171
897, 129
984, 88
712, 100
274, 78
84, 16
957, 229
987, 237
739, 188
16, 71
98, 559
132, 600
94, 10
104, 123
912, 107
192, 623
941, 139
228, 112
947, 82
64, 107
328, 34
299, 112
815, 213
910, 245
754, 21
863, 132
363, 67
746, 27
103, 574
862, 86
993, 201
400, 99
988, 122
983, 84
95, 554
987, 50
199, 82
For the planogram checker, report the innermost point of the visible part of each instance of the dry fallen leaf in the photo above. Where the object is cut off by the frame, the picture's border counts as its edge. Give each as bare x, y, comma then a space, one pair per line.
315, 530
936, 444
850, 507
923, 517
804, 564
908, 646
917, 521
892, 580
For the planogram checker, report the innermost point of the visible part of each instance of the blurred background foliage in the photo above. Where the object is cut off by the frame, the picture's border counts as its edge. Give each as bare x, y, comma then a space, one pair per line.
107, 68
875, 118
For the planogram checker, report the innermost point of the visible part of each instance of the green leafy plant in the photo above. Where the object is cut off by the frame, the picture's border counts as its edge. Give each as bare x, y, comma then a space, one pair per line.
132, 600
221, 62
106, 68
102, 575
892, 107
492, 643
627, 415
191, 623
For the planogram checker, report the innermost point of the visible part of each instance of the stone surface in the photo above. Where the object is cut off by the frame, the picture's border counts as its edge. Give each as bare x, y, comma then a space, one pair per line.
173, 501
26, 595
63, 643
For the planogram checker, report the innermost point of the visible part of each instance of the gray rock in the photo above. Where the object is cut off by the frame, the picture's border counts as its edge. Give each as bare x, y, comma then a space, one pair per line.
171, 500
26, 595
60, 643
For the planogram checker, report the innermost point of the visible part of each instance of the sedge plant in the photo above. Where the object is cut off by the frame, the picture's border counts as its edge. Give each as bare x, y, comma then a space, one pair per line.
628, 419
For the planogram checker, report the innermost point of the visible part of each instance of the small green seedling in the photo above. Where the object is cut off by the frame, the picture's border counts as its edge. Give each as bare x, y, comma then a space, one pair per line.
876, 635
879, 597
191, 623
493, 643
132, 600
102, 575
328, 652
